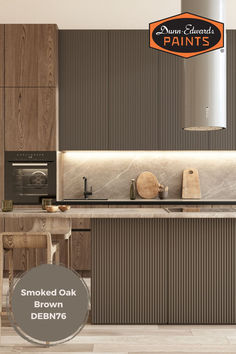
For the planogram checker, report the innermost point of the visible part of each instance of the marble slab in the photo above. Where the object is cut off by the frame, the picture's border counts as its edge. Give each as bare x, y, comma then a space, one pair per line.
109, 173
116, 213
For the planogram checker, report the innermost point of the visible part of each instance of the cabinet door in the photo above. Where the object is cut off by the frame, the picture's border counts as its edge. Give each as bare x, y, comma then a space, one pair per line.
1, 55
129, 271
31, 55
145, 97
30, 119
1, 143
83, 72
226, 139
201, 271
81, 248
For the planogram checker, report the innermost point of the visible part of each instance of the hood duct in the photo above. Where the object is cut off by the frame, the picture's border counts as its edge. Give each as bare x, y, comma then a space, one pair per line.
205, 76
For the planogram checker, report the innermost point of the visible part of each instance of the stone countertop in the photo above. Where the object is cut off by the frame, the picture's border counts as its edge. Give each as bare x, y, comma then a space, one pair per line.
155, 201
117, 213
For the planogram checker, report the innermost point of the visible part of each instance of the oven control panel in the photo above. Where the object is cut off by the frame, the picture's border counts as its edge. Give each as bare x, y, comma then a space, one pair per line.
34, 156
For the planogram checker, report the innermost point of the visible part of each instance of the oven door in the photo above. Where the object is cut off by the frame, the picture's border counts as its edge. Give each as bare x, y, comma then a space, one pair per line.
29, 182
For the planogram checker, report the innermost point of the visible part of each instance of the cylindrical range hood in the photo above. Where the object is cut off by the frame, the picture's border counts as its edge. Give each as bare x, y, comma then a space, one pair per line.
205, 76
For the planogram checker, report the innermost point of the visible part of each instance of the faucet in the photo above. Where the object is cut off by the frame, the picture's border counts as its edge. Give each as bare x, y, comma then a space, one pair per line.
86, 193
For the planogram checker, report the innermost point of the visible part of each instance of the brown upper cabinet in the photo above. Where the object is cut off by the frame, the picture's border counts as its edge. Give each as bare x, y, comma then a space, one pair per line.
116, 93
1, 55
30, 119
30, 55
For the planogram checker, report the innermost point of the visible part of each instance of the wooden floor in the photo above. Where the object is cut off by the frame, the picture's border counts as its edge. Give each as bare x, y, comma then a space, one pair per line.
130, 339
134, 339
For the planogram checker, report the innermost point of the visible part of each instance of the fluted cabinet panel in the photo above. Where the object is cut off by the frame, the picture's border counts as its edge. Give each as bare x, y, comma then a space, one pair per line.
226, 139
129, 271
201, 279
83, 81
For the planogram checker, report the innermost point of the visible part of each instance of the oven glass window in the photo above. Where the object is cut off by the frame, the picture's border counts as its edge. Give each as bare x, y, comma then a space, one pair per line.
30, 181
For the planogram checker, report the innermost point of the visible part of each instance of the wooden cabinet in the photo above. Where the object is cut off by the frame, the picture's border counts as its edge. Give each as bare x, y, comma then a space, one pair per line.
83, 103
1, 55
176, 271
116, 93
1, 143
81, 248
201, 281
129, 271
31, 55
30, 119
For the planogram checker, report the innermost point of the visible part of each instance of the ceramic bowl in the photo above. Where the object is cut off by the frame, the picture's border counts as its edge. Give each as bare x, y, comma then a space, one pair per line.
51, 208
64, 207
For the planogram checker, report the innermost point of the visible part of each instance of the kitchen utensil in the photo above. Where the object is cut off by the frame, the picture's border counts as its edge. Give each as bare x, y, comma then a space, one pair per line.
191, 184
51, 208
64, 207
147, 185
132, 193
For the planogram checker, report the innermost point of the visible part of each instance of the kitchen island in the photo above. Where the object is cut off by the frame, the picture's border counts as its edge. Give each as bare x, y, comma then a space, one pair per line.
151, 266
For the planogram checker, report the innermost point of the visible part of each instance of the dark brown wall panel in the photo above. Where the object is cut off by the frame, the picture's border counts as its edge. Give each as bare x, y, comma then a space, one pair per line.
129, 271
201, 275
83, 90
30, 119
31, 55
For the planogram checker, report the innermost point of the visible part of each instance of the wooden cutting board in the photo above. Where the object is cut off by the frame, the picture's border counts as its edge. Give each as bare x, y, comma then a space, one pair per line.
191, 184
147, 185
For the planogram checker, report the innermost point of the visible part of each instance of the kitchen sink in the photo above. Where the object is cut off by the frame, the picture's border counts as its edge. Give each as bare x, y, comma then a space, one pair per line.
79, 199
200, 210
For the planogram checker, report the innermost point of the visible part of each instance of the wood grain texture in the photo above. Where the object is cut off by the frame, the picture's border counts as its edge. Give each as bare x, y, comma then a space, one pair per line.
2, 139
81, 250
31, 55
30, 119
147, 185
83, 89
20, 255
2, 55
191, 184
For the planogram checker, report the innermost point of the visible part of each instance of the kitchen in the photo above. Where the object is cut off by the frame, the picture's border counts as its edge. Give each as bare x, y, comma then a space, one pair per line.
87, 108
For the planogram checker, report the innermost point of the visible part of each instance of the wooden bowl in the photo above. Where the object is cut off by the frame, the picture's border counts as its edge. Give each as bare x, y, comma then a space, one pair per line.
51, 208
64, 207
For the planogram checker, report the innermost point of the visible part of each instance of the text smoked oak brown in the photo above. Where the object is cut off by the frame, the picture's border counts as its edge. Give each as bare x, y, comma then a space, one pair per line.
30, 119
31, 55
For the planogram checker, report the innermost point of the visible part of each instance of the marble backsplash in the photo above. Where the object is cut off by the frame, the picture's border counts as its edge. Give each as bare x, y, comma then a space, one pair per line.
109, 173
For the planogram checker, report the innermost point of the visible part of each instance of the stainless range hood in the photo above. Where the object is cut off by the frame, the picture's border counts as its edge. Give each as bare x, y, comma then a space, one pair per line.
205, 76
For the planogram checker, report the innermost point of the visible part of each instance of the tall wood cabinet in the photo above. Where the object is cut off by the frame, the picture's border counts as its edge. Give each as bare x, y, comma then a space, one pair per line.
31, 55
30, 119
30, 80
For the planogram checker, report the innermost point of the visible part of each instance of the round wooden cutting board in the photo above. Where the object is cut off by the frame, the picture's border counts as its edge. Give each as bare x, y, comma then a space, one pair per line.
147, 185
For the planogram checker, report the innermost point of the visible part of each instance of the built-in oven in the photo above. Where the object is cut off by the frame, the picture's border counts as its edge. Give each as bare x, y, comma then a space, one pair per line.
30, 176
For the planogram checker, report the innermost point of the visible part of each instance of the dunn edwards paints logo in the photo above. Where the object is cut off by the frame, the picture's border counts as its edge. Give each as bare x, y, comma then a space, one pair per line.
186, 35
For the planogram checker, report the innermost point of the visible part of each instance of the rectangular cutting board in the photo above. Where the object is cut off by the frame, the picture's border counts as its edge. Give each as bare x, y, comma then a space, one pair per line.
191, 184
